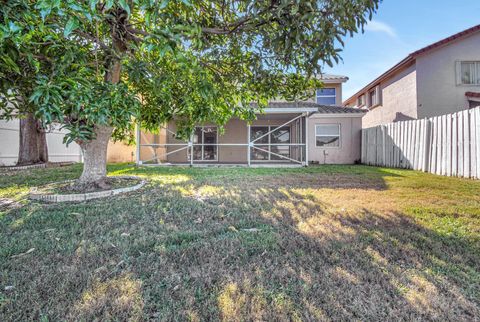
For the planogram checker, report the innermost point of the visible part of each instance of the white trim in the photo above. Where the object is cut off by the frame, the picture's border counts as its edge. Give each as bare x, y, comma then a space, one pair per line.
473, 99
248, 145
476, 68
138, 141
306, 140
334, 81
339, 136
203, 143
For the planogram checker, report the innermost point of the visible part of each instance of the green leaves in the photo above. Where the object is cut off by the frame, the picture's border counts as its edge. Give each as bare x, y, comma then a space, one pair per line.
71, 25
13, 27
192, 61
124, 5
9, 64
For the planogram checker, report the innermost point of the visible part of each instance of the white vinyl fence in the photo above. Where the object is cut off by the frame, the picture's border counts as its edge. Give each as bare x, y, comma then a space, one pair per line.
57, 151
446, 145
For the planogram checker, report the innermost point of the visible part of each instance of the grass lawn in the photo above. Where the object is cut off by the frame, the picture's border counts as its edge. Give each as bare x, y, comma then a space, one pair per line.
318, 243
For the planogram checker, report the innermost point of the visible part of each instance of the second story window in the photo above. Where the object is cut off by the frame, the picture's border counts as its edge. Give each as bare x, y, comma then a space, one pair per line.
361, 100
326, 96
374, 97
468, 73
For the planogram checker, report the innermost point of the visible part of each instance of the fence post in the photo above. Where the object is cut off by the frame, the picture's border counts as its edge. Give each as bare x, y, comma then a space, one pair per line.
427, 143
477, 126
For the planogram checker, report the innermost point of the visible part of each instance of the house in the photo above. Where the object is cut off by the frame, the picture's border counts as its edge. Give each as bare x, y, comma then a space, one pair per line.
284, 133
439, 79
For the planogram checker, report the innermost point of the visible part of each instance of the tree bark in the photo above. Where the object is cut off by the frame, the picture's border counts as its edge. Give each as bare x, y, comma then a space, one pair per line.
95, 157
33, 142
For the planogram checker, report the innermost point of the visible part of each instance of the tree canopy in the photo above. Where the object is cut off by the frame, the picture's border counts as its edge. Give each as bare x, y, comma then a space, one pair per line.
93, 64
193, 60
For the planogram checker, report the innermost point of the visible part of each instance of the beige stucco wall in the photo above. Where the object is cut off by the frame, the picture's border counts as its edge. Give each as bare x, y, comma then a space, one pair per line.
438, 92
350, 140
399, 99
118, 152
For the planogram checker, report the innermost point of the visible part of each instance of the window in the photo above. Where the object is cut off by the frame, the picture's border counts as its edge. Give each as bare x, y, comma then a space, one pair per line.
361, 100
326, 96
271, 143
374, 97
327, 135
468, 73
204, 139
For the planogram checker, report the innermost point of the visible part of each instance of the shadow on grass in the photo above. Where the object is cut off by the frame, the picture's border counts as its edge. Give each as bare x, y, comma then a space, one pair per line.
261, 246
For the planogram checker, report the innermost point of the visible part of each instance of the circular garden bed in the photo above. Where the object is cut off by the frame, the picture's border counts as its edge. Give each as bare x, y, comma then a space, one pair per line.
67, 191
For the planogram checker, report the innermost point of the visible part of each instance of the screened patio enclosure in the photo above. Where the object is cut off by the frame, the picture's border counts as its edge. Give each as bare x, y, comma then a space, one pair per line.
277, 137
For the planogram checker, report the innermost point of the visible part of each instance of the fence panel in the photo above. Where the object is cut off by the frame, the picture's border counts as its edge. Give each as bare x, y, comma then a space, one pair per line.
446, 145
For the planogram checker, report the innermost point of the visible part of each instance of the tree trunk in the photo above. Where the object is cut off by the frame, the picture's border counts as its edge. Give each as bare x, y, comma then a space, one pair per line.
33, 142
95, 158
95, 151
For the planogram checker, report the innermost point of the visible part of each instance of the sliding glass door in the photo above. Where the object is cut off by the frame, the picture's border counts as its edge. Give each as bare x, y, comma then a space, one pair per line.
204, 139
271, 143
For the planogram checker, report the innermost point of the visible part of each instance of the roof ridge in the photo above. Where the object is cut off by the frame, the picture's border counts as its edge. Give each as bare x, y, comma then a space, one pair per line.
446, 40
415, 54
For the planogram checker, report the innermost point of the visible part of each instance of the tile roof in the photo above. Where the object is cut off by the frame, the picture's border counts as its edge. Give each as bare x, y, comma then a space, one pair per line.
322, 109
330, 109
447, 40
472, 94
332, 77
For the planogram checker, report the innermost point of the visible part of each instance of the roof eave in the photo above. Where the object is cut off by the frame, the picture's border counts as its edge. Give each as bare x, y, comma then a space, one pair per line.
334, 81
413, 56
382, 77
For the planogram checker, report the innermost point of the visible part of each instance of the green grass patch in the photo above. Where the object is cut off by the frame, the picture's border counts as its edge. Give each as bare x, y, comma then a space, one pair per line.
317, 243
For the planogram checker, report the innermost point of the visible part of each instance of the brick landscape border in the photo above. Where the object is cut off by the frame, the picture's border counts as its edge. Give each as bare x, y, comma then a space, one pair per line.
36, 166
56, 198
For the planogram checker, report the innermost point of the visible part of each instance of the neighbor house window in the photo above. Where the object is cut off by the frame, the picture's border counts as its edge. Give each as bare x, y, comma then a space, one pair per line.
204, 140
468, 73
327, 135
361, 100
327, 96
374, 97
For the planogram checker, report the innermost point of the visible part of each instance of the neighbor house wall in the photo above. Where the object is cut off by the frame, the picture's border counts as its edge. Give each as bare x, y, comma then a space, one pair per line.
398, 99
350, 140
438, 92
57, 150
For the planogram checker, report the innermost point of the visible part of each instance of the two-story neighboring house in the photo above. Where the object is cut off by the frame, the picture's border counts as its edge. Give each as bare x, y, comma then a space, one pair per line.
439, 79
285, 133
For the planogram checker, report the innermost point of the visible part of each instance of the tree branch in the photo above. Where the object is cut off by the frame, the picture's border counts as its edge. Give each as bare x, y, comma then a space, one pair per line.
94, 39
